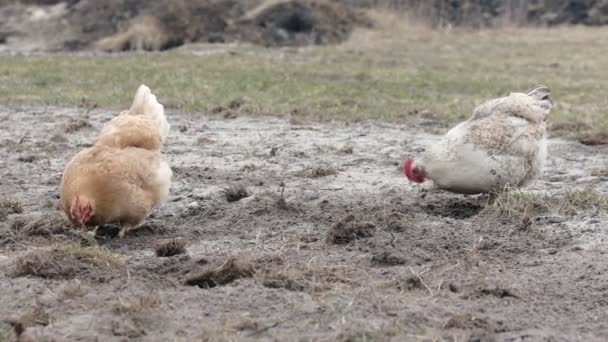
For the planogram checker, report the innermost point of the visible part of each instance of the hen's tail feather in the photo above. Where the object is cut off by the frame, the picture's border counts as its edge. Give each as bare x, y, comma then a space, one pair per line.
145, 103
540, 92
139, 99
542, 95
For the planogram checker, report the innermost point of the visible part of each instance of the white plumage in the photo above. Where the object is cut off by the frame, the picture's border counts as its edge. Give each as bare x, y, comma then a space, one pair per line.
502, 144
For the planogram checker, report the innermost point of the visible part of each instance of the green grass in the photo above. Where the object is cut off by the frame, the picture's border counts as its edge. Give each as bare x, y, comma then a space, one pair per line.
382, 74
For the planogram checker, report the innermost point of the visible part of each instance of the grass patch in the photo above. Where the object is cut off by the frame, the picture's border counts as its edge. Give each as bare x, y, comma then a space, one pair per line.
583, 200
389, 73
516, 204
66, 260
600, 173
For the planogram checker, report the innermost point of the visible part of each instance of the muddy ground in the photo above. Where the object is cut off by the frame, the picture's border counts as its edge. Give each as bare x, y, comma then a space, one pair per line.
330, 242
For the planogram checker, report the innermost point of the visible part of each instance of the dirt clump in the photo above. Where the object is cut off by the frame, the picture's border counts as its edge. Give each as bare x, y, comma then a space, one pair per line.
74, 125
466, 321
494, 291
222, 273
476, 328
594, 138
347, 149
394, 258
236, 192
407, 283
30, 158
303, 277
168, 248
8, 207
455, 208
318, 171
348, 229
231, 110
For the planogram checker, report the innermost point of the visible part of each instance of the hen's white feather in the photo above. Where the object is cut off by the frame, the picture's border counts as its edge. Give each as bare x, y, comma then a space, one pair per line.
502, 144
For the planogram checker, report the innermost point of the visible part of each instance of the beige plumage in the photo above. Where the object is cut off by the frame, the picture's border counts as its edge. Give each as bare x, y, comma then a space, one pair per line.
502, 144
122, 177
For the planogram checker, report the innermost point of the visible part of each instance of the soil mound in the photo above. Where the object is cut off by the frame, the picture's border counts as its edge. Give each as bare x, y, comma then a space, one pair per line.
122, 25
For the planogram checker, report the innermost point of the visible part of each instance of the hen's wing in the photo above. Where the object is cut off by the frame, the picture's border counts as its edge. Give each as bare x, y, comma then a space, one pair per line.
485, 154
533, 106
503, 135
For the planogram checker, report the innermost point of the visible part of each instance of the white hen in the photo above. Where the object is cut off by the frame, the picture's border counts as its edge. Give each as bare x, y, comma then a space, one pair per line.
502, 144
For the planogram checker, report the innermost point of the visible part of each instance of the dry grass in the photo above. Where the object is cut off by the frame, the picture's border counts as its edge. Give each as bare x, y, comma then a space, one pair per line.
273, 272
309, 276
512, 203
66, 260
46, 224
516, 204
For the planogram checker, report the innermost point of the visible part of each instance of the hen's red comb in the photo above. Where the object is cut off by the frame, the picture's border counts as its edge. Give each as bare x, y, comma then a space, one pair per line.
408, 167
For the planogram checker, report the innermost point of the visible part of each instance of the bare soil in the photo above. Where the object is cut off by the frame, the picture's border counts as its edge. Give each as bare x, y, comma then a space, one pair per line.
274, 251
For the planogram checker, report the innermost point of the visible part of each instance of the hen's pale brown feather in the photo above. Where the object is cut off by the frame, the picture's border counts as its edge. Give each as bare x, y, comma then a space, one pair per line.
122, 175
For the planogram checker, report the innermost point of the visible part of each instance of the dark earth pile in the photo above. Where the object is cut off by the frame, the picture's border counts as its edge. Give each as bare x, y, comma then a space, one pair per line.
118, 25
488, 13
